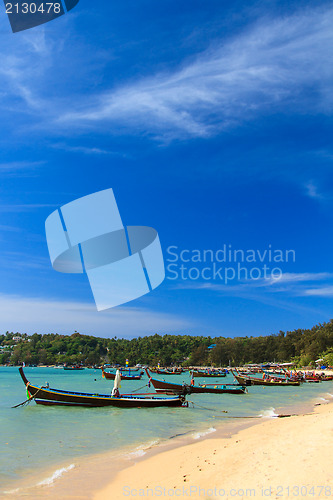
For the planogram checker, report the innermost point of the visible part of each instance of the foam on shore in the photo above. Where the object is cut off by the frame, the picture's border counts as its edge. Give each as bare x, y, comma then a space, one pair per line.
141, 450
56, 475
269, 413
201, 434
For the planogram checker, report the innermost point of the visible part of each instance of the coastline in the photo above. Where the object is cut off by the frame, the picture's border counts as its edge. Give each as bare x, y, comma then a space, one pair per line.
99, 476
279, 458
68, 480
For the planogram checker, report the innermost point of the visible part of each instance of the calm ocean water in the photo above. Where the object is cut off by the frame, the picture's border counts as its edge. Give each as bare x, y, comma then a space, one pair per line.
33, 436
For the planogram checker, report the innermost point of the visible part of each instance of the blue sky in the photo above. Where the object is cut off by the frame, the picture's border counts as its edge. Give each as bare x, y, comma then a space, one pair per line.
211, 121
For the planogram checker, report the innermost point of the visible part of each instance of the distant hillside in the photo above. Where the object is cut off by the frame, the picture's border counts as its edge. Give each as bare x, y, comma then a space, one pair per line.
302, 346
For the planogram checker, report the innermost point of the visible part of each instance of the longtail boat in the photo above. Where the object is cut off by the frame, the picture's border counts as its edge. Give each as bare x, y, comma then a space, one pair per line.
309, 377
73, 367
122, 369
48, 396
171, 388
167, 372
209, 374
248, 380
130, 370
316, 377
111, 376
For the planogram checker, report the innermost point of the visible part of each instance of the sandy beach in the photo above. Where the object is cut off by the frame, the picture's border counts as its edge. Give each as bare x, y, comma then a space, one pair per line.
279, 458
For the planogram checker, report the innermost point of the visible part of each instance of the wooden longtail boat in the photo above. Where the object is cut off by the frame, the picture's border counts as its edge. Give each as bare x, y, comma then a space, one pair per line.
316, 377
171, 388
167, 372
303, 377
248, 380
309, 379
209, 374
48, 396
73, 367
138, 371
111, 376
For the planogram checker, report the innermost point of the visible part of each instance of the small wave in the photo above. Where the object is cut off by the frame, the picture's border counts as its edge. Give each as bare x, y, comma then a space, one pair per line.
198, 435
141, 450
136, 454
56, 475
180, 434
269, 413
11, 492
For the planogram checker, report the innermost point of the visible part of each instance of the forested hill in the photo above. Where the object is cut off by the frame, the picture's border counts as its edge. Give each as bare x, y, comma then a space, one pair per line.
302, 346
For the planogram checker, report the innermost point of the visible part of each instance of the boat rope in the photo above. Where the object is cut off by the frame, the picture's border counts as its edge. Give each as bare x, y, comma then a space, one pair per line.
245, 416
136, 390
230, 416
205, 407
29, 399
262, 416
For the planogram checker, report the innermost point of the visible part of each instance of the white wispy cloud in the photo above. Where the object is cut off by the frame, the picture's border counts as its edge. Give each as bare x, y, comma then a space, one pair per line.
18, 80
12, 229
303, 284
312, 191
86, 150
31, 315
257, 291
25, 207
270, 282
299, 277
24, 261
324, 291
322, 194
26, 64
289, 285
20, 167
275, 63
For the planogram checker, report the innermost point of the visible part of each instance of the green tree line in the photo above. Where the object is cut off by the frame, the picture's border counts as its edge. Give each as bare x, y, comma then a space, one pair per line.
303, 346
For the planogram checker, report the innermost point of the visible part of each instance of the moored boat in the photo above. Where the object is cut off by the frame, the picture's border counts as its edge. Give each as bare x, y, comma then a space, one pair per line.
167, 372
112, 376
172, 388
265, 380
209, 373
76, 367
48, 396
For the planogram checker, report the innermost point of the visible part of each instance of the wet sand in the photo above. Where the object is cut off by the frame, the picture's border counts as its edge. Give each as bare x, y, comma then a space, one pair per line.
279, 458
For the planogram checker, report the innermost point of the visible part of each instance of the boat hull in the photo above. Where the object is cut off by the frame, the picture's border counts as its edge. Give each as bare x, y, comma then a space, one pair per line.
48, 396
163, 372
171, 388
212, 375
258, 381
72, 369
112, 376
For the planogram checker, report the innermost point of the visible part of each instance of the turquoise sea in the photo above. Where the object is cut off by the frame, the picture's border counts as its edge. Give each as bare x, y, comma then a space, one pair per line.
34, 437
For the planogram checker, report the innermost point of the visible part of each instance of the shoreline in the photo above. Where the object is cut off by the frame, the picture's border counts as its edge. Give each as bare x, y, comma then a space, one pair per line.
107, 464
94, 472
258, 460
